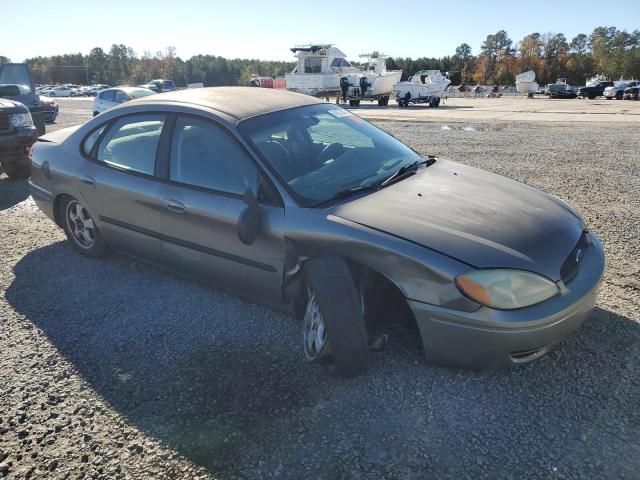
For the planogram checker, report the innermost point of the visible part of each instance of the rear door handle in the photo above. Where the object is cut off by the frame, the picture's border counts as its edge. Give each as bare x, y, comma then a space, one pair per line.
175, 206
86, 179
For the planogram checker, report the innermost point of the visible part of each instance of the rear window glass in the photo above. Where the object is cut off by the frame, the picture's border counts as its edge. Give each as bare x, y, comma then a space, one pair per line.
91, 140
131, 143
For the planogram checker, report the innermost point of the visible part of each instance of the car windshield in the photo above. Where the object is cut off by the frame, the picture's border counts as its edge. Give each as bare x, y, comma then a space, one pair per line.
143, 92
321, 150
16, 74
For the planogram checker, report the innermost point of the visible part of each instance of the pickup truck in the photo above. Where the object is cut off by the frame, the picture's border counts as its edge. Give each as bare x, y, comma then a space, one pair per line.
17, 134
594, 90
21, 119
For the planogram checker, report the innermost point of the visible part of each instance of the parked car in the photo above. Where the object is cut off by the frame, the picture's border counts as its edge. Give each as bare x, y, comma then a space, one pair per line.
300, 203
50, 109
60, 91
112, 97
16, 84
617, 90
561, 90
160, 86
594, 90
17, 134
632, 92
94, 89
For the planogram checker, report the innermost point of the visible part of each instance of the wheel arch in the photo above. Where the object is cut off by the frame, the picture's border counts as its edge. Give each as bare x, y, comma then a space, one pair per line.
56, 207
375, 284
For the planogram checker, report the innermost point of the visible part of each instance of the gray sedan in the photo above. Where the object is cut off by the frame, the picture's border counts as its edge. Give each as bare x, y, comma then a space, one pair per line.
304, 205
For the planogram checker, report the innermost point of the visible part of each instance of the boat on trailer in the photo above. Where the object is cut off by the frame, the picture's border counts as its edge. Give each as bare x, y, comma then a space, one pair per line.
425, 86
373, 82
526, 82
318, 70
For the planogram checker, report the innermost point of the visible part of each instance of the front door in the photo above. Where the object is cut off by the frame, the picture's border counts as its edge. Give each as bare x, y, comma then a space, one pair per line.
208, 173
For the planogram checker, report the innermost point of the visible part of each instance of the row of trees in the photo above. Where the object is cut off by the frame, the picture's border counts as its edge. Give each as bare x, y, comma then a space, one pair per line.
120, 65
606, 50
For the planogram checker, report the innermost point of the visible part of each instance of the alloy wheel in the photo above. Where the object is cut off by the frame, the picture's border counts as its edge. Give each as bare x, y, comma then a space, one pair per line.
80, 225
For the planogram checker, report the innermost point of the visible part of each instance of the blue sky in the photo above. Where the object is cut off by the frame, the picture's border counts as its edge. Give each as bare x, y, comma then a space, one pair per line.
266, 29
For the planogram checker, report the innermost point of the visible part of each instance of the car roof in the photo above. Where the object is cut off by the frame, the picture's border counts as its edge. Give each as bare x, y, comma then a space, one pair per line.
237, 102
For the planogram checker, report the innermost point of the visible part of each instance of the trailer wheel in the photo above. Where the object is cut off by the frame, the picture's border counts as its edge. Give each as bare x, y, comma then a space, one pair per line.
436, 103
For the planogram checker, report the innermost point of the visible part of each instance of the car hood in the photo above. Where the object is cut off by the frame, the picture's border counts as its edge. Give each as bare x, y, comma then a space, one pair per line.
477, 217
7, 105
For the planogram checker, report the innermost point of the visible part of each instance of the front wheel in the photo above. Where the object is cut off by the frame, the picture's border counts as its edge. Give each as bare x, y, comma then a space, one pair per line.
334, 321
81, 230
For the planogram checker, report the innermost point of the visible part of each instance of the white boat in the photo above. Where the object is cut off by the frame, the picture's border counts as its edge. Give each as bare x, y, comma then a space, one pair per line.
373, 82
318, 70
597, 79
425, 86
525, 82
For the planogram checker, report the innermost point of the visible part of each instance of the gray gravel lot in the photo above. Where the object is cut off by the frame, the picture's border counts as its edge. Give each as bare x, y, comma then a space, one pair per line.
115, 369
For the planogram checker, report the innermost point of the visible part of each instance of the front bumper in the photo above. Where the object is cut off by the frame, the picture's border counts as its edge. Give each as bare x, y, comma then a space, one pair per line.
14, 145
490, 338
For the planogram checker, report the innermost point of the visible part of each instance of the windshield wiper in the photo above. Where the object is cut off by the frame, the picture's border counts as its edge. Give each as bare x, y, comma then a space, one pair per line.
347, 192
405, 170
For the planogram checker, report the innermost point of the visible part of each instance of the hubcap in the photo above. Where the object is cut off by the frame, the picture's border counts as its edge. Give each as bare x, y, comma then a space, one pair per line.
80, 225
315, 333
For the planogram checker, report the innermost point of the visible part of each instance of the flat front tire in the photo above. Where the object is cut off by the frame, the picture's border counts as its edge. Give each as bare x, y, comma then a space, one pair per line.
80, 228
334, 321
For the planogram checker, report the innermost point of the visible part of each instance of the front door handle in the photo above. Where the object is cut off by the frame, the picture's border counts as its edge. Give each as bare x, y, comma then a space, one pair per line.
87, 180
174, 206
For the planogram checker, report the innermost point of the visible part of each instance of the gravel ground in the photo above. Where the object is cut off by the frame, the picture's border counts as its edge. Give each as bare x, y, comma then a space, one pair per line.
114, 369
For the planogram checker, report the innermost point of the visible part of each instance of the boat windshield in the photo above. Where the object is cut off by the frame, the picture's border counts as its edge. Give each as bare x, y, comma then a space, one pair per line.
320, 150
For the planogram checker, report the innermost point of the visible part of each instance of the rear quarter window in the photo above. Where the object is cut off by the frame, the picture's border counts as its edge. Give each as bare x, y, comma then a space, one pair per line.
91, 140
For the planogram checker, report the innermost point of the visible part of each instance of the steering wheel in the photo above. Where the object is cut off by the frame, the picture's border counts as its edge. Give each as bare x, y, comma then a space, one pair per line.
331, 151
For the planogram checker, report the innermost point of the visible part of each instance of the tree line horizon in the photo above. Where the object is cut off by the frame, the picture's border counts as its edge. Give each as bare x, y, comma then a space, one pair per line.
606, 51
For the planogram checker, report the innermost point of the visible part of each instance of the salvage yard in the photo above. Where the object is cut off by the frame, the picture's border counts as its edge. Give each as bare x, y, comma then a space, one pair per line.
115, 369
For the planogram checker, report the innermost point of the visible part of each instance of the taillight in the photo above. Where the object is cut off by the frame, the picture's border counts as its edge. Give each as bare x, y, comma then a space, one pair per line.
30, 155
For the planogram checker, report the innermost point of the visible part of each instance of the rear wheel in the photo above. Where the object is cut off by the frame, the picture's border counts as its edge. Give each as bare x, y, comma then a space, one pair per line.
81, 230
334, 321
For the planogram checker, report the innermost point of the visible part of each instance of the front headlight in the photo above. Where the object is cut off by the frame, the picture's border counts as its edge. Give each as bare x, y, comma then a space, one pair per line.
505, 289
21, 120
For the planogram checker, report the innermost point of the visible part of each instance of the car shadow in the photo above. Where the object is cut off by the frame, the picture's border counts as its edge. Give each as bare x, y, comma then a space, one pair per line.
214, 377
207, 380
12, 192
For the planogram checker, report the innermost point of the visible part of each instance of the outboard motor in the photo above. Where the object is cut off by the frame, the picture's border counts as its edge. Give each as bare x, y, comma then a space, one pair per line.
364, 85
344, 86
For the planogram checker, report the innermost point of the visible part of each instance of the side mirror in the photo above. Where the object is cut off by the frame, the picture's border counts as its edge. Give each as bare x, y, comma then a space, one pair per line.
249, 219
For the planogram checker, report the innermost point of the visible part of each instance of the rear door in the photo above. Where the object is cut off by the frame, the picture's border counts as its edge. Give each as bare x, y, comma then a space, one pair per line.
208, 171
120, 186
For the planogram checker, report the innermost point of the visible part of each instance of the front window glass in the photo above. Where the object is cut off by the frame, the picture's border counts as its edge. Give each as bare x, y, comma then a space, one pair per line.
320, 150
204, 155
131, 143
